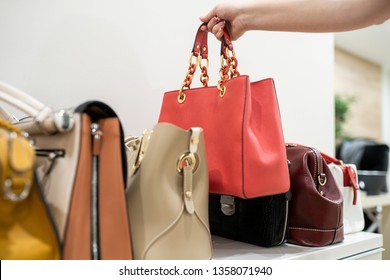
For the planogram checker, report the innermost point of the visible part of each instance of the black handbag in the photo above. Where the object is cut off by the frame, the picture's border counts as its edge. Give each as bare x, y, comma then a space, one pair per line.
261, 221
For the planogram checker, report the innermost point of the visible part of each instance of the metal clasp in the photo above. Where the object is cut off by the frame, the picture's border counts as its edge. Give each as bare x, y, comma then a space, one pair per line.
11, 196
228, 207
186, 159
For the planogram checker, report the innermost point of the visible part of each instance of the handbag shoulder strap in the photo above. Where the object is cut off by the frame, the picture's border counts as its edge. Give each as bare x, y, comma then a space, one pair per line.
24, 102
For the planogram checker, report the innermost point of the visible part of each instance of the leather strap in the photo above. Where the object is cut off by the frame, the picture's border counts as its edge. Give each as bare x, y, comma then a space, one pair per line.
201, 43
20, 100
349, 174
187, 189
188, 170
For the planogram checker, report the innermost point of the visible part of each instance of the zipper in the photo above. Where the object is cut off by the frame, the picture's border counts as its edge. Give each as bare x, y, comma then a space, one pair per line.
319, 176
96, 134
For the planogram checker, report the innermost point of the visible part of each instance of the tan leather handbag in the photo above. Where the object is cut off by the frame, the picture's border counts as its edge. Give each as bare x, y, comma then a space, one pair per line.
167, 194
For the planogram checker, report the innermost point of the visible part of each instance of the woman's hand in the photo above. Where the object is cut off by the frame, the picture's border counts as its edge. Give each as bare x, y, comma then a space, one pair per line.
223, 16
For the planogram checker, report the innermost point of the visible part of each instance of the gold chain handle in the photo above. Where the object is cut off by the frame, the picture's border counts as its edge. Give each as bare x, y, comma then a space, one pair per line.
228, 64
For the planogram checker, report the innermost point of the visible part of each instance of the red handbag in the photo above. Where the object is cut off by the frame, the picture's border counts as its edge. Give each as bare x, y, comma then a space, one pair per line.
241, 122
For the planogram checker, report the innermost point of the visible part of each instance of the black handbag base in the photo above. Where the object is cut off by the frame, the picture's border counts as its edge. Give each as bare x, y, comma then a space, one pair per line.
260, 221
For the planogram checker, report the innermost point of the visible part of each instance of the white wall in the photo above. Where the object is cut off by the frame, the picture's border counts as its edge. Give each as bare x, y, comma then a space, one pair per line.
386, 105
386, 112
128, 53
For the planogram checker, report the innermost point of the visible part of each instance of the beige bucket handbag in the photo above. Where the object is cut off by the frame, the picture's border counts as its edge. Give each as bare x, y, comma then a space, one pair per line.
167, 194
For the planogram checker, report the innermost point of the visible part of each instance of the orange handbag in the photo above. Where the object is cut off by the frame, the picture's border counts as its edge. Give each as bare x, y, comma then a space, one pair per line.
241, 122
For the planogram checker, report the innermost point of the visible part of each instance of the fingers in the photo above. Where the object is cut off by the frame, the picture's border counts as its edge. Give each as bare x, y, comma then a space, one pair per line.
206, 18
215, 25
217, 29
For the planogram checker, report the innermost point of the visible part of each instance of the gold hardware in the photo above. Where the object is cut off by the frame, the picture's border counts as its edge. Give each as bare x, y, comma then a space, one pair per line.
322, 179
204, 77
181, 97
195, 140
188, 159
200, 62
196, 59
142, 150
229, 53
188, 79
222, 90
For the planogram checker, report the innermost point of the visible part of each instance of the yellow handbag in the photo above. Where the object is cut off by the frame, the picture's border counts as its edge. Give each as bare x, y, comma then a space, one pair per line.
26, 227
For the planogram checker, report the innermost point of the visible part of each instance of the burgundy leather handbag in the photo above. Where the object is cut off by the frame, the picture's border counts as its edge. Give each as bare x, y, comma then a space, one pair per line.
316, 206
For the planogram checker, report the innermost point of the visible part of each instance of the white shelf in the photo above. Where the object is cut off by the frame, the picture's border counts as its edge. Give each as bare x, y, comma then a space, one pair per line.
353, 246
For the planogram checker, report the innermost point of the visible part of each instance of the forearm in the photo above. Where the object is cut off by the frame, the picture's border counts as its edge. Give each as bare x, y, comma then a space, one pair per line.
313, 15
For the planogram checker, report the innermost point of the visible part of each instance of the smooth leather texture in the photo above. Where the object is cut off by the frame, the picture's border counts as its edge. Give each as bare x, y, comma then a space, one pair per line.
314, 219
114, 231
243, 131
352, 205
163, 224
243, 135
27, 230
57, 181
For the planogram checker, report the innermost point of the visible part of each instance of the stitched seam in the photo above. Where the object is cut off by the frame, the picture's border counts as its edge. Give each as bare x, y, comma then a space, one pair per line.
243, 140
313, 229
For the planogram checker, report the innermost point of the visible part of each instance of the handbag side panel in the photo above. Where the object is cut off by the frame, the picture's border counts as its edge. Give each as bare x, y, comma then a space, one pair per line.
265, 165
57, 176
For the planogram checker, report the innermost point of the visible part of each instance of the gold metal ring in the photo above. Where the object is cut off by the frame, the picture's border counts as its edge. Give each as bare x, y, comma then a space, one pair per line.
196, 59
187, 159
222, 91
321, 180
181, 97
200, 63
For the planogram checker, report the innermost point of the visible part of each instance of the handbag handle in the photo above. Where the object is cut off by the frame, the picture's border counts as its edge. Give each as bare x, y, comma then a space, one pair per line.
200, 52
43, 115
349, 174
8, 126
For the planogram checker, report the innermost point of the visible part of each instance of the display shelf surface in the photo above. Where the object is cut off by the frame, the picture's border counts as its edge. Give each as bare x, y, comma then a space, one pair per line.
353, 245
